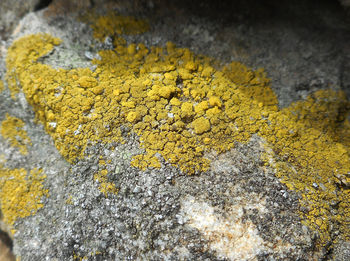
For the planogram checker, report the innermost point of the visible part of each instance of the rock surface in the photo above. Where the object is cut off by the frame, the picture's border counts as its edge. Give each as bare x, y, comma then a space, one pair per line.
240, 208
12, 12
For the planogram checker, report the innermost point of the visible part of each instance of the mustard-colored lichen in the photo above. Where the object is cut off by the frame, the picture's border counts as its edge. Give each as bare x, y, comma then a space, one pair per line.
90, 254
182, 106
311, 155
201, 125
21, 192
69, 200
113, 25
105, 186
2, 87
12, 129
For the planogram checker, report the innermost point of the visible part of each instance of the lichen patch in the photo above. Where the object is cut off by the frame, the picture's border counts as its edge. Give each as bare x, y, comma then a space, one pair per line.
11, 129
21, 192
2, 87
182, 106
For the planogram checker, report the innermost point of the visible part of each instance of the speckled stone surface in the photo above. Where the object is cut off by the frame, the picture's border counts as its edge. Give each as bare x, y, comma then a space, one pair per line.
238, 210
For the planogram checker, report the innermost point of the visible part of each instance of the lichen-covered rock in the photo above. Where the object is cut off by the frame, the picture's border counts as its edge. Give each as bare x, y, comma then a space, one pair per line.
137, 139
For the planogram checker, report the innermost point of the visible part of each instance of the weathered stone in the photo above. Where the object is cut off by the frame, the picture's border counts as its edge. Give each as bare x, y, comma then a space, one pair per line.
241, 206
11, 11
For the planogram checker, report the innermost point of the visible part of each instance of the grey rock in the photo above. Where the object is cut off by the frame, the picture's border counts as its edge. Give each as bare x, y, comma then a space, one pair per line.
11, 11
238, 210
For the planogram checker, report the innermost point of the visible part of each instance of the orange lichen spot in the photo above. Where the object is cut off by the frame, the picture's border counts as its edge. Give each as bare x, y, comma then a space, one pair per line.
12, 130
21, 192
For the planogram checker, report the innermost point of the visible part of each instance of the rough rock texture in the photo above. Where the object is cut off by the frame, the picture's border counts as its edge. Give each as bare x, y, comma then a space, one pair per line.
12, 12
6, 247
238, 209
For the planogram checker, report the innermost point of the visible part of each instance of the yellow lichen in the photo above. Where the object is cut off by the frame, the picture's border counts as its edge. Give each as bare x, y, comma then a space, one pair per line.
1, 86
90, 254
20, 193
12, 129
311, 155
201, 125
69, 200
182, 106
114, 25
26, 54
105, 186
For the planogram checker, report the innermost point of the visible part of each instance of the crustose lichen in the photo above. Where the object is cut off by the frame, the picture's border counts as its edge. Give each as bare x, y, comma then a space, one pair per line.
183, 105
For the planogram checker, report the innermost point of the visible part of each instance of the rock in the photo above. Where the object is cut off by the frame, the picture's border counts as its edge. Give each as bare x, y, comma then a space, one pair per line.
11, 12
6, 247
151, 151
345, 3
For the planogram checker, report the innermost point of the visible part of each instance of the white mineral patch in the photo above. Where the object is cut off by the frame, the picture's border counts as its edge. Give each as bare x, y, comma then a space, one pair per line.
22, 100
53, 124
229, 237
